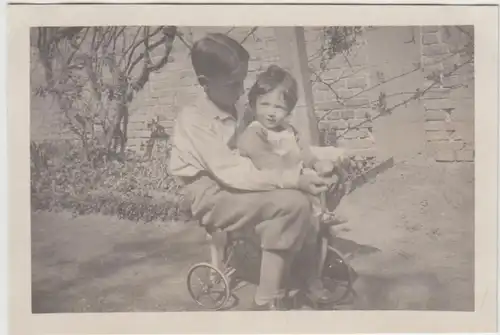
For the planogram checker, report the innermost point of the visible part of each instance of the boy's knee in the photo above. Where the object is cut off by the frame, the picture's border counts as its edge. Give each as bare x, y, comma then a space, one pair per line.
292, 201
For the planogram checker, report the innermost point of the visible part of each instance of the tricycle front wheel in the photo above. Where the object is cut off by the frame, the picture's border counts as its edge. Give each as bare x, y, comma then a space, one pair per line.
208, 286
337, 276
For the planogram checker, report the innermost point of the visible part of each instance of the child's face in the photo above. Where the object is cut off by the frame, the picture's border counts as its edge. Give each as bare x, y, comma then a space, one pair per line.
271, 110
225, 90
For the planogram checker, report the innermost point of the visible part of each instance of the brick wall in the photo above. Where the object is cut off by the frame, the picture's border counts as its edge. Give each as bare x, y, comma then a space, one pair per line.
394, 60
341, 104
449, 106
444, 116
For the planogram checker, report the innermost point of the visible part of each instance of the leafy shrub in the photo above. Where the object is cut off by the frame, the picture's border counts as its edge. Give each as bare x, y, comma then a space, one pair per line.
133, 188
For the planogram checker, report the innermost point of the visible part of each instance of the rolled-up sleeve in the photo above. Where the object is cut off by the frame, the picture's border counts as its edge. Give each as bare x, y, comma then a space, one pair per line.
228, 166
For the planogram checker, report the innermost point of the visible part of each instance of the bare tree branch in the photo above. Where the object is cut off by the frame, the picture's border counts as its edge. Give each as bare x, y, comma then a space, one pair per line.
229, 30
110, 38
415, 95
170, 34
253, 30
91, 74
77, 47
142, 55
124, 53
94, 36
138, 43
106, 31
183, 40
115, 39
62, 33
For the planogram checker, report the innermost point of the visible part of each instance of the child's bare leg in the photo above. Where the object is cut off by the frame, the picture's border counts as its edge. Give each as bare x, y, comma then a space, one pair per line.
274, 267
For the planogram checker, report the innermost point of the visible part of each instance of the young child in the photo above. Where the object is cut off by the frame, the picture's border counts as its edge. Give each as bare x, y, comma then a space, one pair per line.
226, 191
272, 143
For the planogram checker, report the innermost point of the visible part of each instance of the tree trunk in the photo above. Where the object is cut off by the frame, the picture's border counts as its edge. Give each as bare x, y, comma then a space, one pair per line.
293, 57
121, 116
124, 138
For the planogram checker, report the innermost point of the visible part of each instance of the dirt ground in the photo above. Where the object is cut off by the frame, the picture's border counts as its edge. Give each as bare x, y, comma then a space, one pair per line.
411, 232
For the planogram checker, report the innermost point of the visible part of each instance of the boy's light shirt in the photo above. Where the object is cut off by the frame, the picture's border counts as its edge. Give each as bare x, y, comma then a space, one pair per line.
200, 143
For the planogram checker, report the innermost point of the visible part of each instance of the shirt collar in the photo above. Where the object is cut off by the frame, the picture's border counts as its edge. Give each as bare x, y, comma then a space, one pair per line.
210, 109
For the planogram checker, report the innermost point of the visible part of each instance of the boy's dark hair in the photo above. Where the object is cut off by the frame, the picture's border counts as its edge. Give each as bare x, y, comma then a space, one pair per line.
268, 80
217, 54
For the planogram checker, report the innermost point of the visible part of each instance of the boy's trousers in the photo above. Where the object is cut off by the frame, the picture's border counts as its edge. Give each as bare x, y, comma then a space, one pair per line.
281, 218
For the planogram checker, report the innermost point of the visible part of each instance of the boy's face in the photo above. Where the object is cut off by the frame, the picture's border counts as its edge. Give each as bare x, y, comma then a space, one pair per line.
225, 90
271, 110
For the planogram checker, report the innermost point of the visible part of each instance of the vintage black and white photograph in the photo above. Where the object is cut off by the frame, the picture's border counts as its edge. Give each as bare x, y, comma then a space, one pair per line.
252, 168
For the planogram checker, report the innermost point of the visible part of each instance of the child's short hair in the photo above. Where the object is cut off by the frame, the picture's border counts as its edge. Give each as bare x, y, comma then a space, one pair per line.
268, 80
217, 54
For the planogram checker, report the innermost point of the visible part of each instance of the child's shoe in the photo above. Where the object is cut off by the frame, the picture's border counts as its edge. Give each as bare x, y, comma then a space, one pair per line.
318, 295
331, 219
277, 304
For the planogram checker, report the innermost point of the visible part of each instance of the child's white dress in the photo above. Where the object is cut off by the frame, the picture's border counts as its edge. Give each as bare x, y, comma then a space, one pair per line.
271, 149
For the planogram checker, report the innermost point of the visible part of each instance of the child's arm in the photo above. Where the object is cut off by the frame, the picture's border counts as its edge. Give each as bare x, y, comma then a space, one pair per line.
331, 153
307, 156
254, 145
321, 159
312, 154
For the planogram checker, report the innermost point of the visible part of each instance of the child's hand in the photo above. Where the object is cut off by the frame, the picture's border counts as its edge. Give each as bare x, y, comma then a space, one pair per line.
343, 161
310, 182
324, 168
343, 158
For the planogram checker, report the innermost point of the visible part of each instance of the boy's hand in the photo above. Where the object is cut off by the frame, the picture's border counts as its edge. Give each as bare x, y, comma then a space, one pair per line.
324, 168
312, 183
343, 158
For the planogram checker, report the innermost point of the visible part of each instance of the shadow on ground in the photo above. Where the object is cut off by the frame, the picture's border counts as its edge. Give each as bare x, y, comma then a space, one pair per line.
416, 291
138, 267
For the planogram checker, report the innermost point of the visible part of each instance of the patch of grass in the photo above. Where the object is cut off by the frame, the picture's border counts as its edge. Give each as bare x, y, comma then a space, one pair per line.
131, 188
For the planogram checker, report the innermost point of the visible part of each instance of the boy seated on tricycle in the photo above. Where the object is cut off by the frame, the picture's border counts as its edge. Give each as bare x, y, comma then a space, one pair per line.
227, 191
